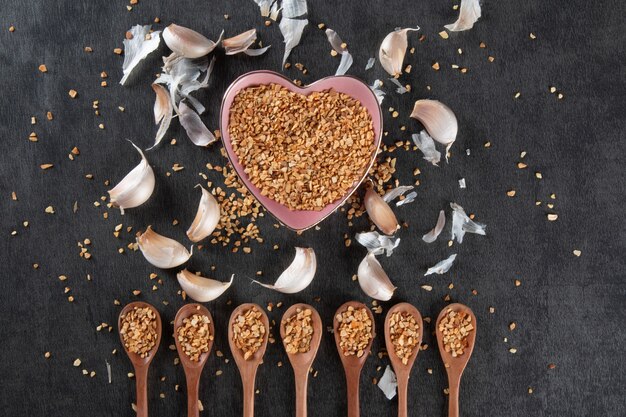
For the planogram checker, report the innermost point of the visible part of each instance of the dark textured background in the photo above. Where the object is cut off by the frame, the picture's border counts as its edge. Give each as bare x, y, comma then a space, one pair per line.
569, 311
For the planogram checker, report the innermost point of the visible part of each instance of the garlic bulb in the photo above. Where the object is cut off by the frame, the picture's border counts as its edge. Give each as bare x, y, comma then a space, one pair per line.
207, 217
298, 275
438, 119
373, 280
392, 50
186, 42
162, 251
201, 289
380, 212
136, 187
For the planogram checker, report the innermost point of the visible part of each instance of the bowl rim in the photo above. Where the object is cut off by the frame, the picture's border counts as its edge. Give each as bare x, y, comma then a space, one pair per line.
300, 89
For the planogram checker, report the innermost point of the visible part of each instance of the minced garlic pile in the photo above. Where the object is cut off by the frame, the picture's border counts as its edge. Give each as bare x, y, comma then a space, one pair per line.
194, 336
249, 332
304, 152
298, 331
455, 326
355, 331
404, 332
139, 330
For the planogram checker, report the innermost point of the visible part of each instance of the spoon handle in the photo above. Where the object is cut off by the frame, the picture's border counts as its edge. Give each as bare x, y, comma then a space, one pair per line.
247, 380
353, 375
141, 383
193, 383
302, 379
403, 383
453, 397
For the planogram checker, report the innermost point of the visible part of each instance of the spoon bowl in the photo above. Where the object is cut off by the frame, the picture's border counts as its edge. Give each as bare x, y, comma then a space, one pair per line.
455, 365
353, 364
193, 369
402, 370
248, 367
140, 364
301, 362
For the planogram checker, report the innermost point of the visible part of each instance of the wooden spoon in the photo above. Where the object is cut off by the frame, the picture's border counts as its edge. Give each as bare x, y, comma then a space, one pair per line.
193, 369
301, 362
352, 365
455, 366
248, 368
140, 364
403, 371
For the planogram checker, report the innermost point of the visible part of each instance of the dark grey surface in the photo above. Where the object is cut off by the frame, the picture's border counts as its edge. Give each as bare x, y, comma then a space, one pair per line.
569, 311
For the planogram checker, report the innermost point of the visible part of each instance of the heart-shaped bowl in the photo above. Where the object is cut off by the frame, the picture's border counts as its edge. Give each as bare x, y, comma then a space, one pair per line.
299, 220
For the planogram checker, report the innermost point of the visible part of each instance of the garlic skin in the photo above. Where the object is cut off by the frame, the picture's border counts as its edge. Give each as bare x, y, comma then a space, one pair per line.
392, 50
186, 42
136, 187
461, 223
425, 143
380, 212
376, 243
197, 132
163, 112
291, 30
469, 13
338, 45
373, 280
298, 275
431, 236
202, 289
161, 251
438, 119
207, 217
141, 44
442, 267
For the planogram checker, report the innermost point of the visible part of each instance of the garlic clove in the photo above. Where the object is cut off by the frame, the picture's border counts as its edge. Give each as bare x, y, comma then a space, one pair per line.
207, 217
469, 13
186, 42
136, 187
202, 289
298, 275
373, 280
442, 267
380, 212
438, 119
392, 50
239, 43
163, 112
162, 251
139, 43
431, 236
197, 132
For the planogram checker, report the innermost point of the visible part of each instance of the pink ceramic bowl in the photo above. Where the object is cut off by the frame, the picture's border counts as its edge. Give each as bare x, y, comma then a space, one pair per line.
299, 219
